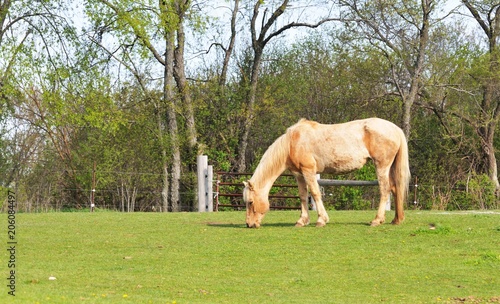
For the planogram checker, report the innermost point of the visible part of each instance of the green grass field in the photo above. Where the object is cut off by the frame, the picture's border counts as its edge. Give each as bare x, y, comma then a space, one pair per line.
108, 257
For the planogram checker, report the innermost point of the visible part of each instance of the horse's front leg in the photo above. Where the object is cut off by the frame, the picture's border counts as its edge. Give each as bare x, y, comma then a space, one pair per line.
304, 214
316, 195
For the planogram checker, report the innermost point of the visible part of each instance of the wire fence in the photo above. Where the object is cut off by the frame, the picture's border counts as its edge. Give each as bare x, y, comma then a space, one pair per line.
128, 195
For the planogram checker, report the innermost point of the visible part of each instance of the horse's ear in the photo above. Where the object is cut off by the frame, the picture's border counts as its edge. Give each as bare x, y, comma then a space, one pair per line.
248, 184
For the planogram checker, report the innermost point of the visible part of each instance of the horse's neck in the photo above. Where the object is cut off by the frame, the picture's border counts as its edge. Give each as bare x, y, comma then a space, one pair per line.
266, 174
272, 164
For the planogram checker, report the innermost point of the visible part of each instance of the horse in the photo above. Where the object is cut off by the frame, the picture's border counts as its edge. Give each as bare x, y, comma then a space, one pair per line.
308, 148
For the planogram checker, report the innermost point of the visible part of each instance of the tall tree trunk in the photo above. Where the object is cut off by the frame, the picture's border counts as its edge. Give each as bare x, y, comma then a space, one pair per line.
164, 157
488, 122
249, 114
490, 113
181, 80
416, 71
169, 101
489, 157
170, 24
258, 44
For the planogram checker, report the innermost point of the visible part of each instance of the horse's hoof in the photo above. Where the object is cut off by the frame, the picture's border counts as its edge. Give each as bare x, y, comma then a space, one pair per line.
396, 222
302, 222
375, 223
320, 224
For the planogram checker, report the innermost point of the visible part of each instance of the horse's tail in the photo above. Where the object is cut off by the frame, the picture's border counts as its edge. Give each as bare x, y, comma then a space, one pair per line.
400, 175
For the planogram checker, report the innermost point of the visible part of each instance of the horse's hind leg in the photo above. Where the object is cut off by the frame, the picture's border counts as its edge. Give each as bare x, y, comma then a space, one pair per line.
304, 214
385, 190
398, 206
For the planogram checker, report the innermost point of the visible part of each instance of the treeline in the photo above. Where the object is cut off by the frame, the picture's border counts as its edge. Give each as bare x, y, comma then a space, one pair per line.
120, 96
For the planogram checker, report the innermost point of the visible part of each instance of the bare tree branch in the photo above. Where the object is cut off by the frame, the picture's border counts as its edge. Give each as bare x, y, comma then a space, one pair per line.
478, 18
300, 24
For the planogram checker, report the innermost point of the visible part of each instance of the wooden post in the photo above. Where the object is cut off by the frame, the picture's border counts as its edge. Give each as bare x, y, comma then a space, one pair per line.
209, 192
202, 168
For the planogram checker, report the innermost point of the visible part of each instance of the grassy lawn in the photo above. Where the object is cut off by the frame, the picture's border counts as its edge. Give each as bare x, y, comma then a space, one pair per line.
108, 257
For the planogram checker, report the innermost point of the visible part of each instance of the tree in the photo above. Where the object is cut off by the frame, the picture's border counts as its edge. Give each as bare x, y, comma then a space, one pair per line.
260, 37
400, 30
489, 112
476, 89
181, 8
32, 35
133, 23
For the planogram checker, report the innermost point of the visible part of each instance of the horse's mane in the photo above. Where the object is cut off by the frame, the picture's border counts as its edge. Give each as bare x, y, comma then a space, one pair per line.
272, 163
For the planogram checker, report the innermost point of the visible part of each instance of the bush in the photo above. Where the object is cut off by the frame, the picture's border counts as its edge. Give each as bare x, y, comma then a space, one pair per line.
478, 192
353, 197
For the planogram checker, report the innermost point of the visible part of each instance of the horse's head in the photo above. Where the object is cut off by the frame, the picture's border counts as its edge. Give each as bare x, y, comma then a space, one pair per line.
257, 205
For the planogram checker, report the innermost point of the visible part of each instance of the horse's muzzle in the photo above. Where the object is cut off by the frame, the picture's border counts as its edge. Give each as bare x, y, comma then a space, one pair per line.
254, 225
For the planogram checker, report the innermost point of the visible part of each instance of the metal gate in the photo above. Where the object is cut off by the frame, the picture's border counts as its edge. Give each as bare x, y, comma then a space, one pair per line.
230, 186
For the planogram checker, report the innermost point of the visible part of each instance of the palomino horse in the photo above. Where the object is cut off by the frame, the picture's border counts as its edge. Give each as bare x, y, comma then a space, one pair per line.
308, 148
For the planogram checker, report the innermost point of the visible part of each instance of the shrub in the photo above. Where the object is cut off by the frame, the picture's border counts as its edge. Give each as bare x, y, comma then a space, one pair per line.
478, 192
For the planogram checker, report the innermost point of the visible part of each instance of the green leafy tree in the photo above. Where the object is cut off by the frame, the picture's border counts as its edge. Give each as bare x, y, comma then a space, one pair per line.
485, 119
467, 80
137, 26
35, 44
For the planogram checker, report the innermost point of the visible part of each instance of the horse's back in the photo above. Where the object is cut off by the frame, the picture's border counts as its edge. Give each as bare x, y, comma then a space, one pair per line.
354, 130
341, 148
337, 148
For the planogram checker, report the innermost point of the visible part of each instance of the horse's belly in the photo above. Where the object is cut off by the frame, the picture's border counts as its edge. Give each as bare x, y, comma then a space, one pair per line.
342, 163
342, 167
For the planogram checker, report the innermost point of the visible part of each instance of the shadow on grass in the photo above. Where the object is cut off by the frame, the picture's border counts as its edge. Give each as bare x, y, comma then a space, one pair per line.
292, 225
354, 224
226, 225
244, 226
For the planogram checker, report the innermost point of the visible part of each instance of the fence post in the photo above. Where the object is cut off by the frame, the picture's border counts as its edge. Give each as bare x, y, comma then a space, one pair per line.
209, 190
92, 194
202, 168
